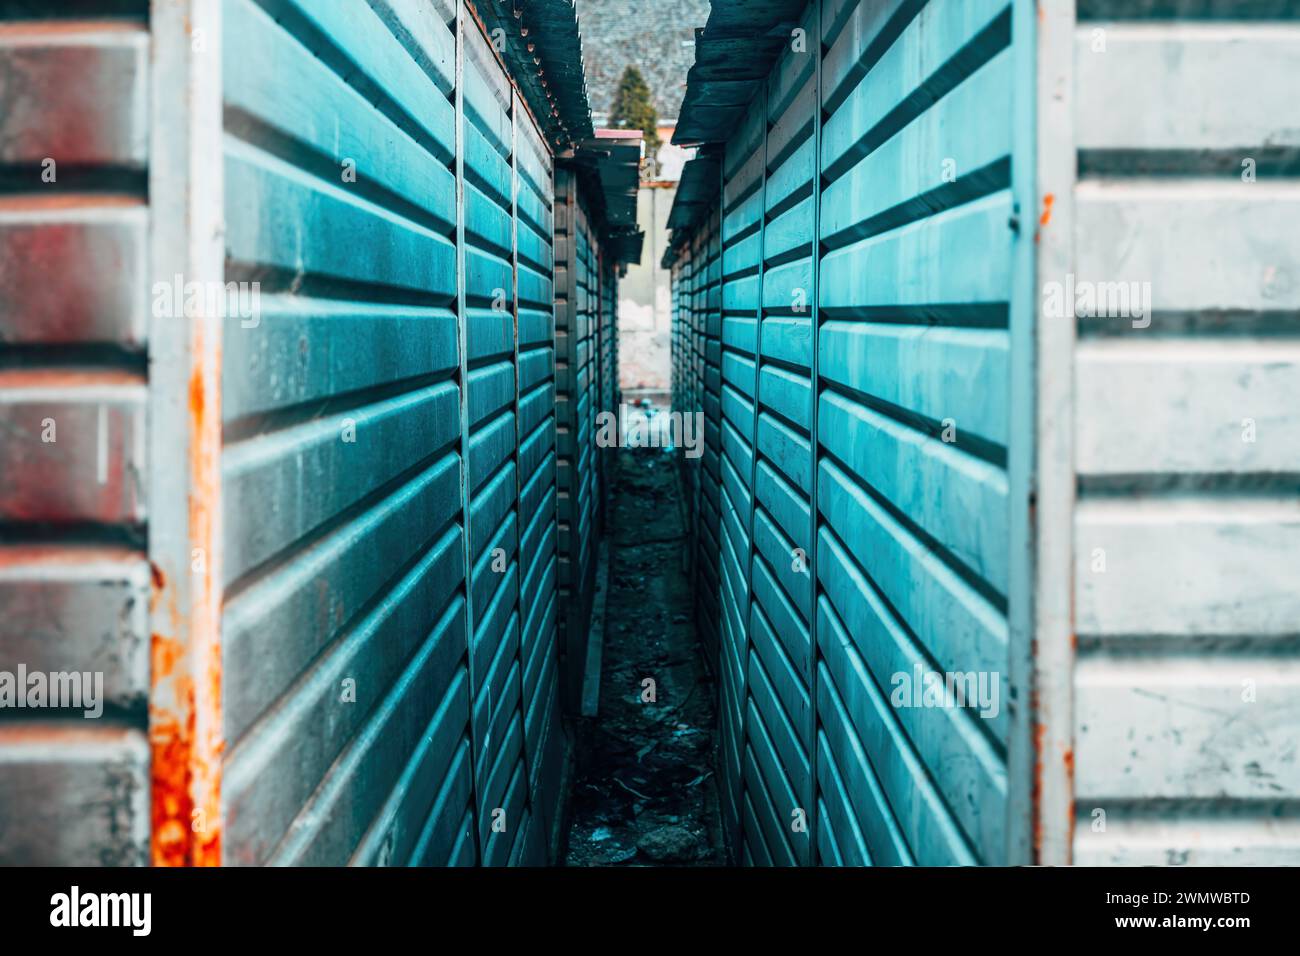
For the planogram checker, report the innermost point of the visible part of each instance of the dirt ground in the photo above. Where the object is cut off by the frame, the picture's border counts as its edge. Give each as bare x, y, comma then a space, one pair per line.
645, 791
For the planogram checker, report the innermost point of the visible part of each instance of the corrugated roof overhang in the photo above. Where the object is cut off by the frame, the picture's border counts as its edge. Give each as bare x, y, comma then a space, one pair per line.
609, 169
543, 50
697, 193
734, 52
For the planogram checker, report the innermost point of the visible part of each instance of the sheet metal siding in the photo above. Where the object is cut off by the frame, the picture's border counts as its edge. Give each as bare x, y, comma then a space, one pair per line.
74, 571
1163, 538
390, 485
384, 497
866, 375
346, 530
582, 393
709, 328
743, 182
544, 736
915, 516
1186, 588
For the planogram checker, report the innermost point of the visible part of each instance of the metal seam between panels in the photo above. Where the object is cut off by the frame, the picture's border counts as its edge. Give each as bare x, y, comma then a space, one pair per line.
515, 104
185, 731
815, 438
463, 338
1053, 471
754, 453
1027, 506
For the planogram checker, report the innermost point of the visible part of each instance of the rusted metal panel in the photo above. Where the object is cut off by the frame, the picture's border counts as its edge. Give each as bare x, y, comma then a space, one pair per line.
85, 104
76, 585
75, 793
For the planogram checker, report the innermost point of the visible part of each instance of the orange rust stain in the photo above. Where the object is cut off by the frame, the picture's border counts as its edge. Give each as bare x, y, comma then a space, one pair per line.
1036, 792
172, 804
185, 715
163, 655
1069, 762
1046, 217
196, 396
171, 733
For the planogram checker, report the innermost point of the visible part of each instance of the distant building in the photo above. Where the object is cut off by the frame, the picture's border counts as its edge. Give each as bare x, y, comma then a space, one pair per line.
659, 38
645, 293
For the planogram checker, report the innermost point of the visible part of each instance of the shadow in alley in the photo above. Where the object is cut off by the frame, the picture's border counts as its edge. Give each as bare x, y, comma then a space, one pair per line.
645, 791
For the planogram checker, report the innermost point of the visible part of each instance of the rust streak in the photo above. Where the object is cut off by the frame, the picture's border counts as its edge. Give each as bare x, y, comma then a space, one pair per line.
185, 710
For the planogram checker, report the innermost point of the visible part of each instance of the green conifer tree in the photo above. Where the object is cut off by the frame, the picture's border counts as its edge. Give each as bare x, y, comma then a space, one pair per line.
634, 109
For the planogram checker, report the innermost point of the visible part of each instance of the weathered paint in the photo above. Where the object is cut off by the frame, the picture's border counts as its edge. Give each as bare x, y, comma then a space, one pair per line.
855, 328
186, 185
585, 386
1111, 522
303, 498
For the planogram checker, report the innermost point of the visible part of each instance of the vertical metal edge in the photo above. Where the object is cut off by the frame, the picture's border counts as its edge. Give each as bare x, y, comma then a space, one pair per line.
574, 660
519, 437
814, 439
1051, 645
1021, 445
186, 197
462, 332
742, 730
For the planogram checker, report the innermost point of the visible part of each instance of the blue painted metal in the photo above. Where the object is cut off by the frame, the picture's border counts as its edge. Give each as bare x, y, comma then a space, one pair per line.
586, 377
856, 327
381, 488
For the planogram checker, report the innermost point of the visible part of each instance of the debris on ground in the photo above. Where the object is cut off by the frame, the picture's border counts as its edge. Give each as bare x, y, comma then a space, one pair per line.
646, 794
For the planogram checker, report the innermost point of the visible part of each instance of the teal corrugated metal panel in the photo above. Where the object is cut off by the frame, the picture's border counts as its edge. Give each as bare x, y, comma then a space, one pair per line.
584, 370
351, 532
861, 381
778, 726
344, 645
545, 751
489, 228
914, 552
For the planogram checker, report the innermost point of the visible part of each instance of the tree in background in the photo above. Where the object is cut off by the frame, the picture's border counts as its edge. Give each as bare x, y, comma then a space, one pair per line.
634, 109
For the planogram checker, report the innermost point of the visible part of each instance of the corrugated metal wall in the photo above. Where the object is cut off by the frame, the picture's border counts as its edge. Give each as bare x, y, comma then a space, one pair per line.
697, 353
330, 567
1186, 523
545, 745
586, 376
75, 256
921, 325
968, 156
855, 310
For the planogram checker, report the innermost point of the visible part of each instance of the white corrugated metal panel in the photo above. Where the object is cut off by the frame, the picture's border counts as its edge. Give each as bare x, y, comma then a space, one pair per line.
1186, 587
